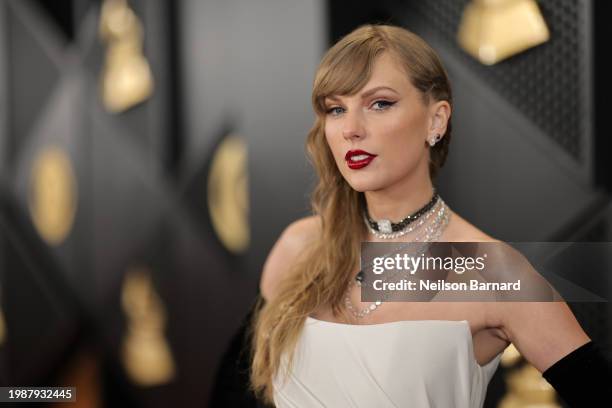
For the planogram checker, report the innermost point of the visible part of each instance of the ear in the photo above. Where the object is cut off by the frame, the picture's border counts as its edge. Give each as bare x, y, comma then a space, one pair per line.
440, 113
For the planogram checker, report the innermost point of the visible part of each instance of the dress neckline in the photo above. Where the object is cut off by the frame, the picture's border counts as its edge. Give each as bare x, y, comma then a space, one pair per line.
388, 323
464, 323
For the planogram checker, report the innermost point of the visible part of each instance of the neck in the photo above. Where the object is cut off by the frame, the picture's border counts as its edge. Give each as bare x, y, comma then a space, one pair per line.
399, 200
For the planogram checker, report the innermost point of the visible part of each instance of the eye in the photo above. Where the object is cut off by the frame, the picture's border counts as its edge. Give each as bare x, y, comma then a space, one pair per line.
382, 104
334, 111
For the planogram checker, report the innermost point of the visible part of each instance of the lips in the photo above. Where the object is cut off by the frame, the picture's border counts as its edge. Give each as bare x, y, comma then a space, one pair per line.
357, 159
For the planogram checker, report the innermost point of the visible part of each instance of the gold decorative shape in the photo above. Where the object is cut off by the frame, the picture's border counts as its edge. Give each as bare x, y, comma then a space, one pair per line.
146, 354
228, 195
493, 30
53, 195
117, 21
511, 356
2, 328
528, 389
126, 78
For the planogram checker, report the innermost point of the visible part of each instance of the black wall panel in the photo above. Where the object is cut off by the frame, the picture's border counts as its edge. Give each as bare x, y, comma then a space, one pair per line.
131, 210
523, 134
247, 70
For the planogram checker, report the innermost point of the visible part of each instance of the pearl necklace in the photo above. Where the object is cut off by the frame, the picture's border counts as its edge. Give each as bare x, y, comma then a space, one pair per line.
432, 233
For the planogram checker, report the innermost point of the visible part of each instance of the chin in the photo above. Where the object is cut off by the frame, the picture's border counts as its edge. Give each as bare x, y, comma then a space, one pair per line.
363, 185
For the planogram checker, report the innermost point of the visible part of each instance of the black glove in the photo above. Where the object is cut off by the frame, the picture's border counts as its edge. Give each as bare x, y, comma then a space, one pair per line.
583, 378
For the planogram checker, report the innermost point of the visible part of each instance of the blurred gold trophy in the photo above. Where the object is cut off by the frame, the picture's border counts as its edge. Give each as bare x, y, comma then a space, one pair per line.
146, 354
228, 195
2, 328
493, 30
53, 195
526, 386
126, 77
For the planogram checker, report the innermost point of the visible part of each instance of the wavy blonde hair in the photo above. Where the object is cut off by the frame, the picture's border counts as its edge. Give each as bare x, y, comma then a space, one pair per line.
323, 270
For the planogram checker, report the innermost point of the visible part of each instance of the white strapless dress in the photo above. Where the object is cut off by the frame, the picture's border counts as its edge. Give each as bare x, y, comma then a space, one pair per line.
412, 363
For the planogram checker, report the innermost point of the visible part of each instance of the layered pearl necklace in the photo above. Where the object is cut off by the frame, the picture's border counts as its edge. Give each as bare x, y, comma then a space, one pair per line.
431, 233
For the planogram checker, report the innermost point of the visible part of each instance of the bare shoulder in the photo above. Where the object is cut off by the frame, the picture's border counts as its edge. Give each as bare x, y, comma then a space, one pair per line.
543, 332
288, 246
459, 229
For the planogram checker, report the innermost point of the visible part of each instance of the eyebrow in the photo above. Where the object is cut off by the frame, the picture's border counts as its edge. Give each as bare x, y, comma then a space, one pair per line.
366, 93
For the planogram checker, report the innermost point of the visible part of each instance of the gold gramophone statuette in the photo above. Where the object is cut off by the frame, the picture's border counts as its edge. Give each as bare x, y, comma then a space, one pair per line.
228, 195
146, 354
2, 328
526, 386
126, 77
493, 30
52, 197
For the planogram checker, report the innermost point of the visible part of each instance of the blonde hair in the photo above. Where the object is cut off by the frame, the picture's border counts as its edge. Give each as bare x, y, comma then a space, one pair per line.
320, 275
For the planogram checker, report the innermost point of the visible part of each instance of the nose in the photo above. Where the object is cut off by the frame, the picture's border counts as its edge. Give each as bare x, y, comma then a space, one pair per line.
353, 128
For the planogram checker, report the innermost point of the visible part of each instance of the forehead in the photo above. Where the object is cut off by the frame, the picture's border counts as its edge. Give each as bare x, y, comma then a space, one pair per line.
386, 72
386, 67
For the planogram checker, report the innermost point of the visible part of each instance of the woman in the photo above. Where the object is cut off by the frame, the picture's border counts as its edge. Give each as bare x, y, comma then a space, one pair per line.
383, 106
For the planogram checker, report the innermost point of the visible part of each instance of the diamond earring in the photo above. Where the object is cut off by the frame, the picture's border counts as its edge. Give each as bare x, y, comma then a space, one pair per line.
432, 141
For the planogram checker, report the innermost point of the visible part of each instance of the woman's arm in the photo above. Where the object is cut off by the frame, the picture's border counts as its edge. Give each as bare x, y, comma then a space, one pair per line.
543, 332
550, 338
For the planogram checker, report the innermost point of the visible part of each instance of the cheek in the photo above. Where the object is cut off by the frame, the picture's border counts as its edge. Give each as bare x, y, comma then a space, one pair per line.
402, 142
401, 132
333, 139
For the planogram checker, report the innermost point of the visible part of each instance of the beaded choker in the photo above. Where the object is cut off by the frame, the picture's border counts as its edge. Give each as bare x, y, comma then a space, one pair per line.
386, 227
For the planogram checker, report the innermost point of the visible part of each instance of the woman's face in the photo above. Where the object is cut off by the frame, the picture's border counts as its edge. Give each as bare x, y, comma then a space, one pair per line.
382, 130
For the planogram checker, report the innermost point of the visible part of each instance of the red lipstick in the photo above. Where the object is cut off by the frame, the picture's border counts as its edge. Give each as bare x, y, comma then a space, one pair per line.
357, 159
